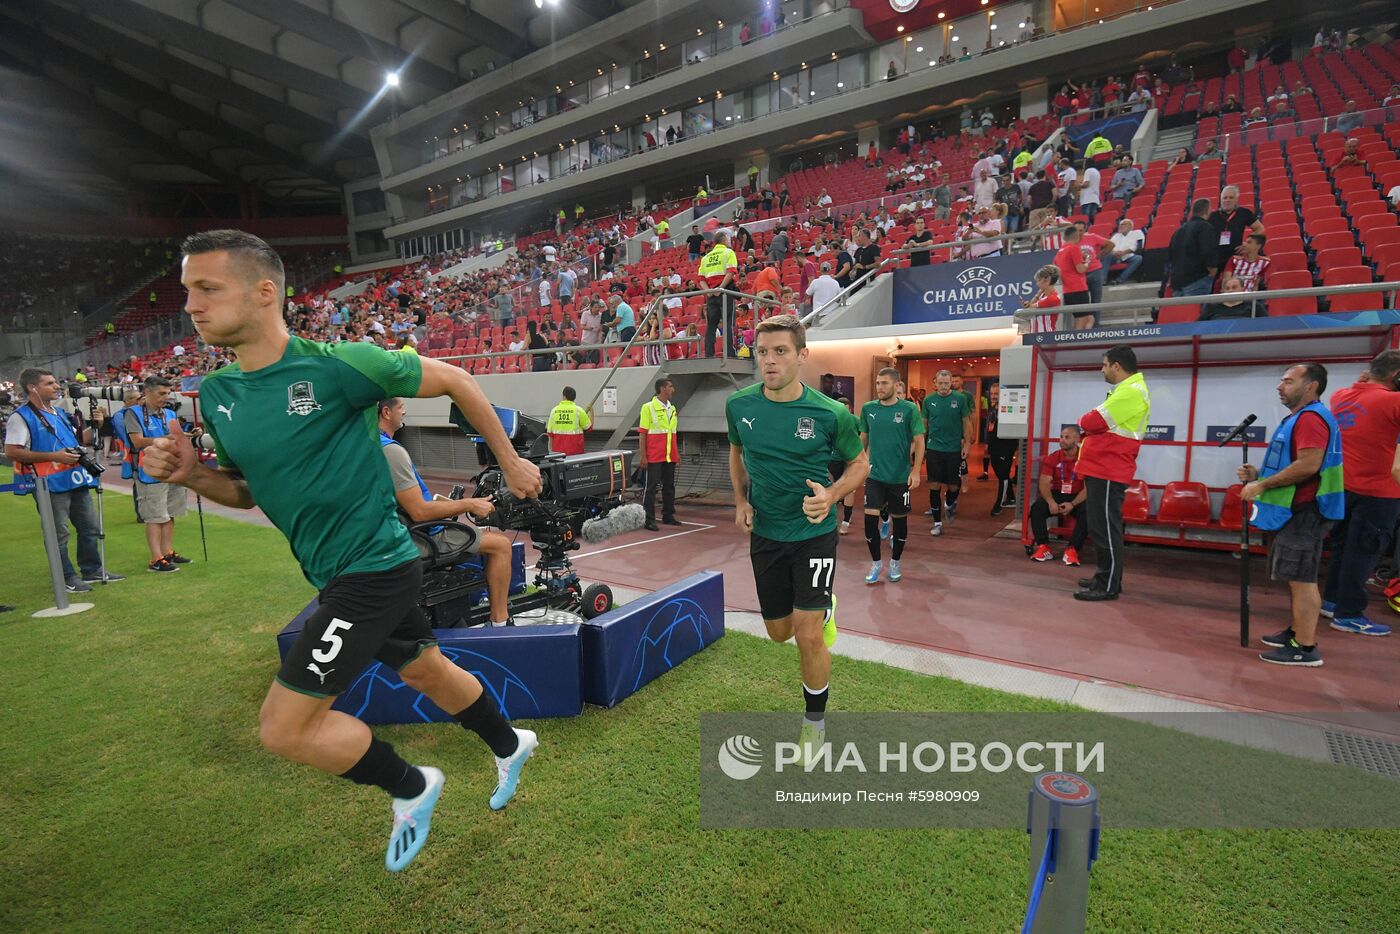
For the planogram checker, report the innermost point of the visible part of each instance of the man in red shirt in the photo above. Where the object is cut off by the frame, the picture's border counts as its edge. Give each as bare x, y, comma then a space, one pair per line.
1097, 273
1368, 412
1061, 494
1249, 265
1295, 550
1073, 264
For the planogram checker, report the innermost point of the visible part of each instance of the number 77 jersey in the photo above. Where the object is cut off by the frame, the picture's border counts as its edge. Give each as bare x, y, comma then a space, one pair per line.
785, 444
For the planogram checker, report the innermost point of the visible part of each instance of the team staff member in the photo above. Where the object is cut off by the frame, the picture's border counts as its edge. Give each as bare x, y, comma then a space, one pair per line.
1001, 452
1368, 412
38, 438
891, 429
1113, 433
948, 423
289, 430
658, 454
158, 504
416, 504
718, 268
1061, 494
566, 424
1298, 495
782, 434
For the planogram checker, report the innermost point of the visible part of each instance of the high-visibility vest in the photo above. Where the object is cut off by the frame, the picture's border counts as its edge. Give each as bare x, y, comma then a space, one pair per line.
1097, 146
1111, 453
659, 422
1273, 508
566, 424
714, 263
1022, 160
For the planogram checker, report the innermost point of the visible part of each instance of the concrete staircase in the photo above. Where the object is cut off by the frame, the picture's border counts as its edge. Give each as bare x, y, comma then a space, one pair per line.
1170, 141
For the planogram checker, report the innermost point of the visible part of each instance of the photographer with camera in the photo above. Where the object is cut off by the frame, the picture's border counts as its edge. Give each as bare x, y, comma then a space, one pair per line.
39, 439
157, 504
416, 505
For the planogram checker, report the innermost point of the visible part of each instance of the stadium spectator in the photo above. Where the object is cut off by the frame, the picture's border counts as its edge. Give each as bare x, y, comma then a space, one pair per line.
942, 199
1008, 199
1350, 118
591, 329
626, 321
1235, 308
985, 224
1042, 198
1182, 157
1232, 222
1139, 100
1249, 265
823, 290
1072, 260
779, 246
1067, 186
920, 235
1194, 252
1368, 413
1127, 181
1231, 105
984, 191
695, 243
1127, 249
1048, 300
1090, 197
1256, 116
866, 257
1351, 155
1211, 151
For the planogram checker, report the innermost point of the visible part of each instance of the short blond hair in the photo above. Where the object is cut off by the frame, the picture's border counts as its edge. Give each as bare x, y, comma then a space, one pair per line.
786, 323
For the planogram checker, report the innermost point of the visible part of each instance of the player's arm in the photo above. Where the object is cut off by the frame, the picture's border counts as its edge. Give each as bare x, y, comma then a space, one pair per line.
857, 470
139, 441
916, 449
739, 479
411, 501
172, 459
443, 379
966, 434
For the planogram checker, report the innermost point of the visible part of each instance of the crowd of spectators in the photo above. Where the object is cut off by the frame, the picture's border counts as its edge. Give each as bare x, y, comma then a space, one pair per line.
42, 277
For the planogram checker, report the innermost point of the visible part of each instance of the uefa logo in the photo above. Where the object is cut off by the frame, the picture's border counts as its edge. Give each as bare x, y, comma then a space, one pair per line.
978, 275
740, 757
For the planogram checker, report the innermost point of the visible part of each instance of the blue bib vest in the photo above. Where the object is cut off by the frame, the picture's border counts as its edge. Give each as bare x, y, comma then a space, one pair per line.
54, 434
1274, 508
119, 429
384, 442
152, 426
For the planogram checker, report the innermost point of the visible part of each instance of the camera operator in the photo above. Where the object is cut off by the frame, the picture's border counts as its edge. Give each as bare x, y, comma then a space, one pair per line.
157, 504
40, 439
416, 504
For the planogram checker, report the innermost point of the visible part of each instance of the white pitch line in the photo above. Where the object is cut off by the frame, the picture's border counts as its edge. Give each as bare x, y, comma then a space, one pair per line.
649, 541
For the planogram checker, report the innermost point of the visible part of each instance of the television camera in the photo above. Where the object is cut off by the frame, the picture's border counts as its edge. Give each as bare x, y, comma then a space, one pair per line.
581, 500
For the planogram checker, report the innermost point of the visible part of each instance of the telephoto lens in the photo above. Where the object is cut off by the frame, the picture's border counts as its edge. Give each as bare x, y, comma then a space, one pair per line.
203, 442
84, 391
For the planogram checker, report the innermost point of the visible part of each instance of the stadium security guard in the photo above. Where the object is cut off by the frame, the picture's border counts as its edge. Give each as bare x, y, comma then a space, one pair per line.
39, 439
659, 454
566, 424
157, 504
1113, 433
718, 268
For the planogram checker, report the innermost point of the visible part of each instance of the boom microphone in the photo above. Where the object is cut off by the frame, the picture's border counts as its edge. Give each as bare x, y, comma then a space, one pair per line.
620, 521
1239, 429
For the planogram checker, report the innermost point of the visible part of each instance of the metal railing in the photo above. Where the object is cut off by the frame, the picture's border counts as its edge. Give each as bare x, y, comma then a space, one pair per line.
1217, 298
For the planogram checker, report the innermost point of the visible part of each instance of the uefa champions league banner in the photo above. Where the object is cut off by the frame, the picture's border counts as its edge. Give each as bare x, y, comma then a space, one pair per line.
992, 287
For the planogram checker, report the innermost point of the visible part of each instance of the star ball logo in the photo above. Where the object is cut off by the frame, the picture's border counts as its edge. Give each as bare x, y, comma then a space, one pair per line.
740, 757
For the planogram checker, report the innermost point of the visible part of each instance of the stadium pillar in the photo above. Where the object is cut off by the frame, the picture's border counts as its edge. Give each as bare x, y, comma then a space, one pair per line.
741, 169
867, 135
1035, 100
639, 197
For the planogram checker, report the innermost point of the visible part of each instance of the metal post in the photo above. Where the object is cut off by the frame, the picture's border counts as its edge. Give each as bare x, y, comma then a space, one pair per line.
1244, 556
61, 605
1063, 824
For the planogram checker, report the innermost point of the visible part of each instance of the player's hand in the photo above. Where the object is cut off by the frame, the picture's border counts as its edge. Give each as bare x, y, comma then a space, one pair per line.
1247, 473
170, 459
965, 448
1251, 491
914, 480
818, 505
522, 478
66, 458
743, 516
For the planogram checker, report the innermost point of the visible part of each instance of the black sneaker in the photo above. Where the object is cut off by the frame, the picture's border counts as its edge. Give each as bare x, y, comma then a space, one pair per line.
76, 586
1279, 639
102, 576
672, 521
173, 558
163, 566
1293, 654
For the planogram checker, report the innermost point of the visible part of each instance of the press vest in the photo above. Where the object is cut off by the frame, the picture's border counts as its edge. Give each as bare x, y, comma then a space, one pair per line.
659, 422
119, 429
1274, 508
152, 426
566, 424
55, 434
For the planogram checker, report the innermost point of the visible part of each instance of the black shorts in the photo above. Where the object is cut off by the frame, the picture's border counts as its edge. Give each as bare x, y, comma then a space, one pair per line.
944, 467
1295, 554
892, 498
793, 575
362, 617
962, 468
836, 469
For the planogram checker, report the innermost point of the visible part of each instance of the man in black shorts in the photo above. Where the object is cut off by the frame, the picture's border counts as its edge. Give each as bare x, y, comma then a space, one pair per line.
838, 467
892, 431
948, 426
291, 427
782, 436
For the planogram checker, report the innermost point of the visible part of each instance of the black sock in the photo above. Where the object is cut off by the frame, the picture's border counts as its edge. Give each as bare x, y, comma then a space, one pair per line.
484, 719
953, 497
846, 512
872, 535
816, 702
986, 464
937, 508
381, 766
899, 531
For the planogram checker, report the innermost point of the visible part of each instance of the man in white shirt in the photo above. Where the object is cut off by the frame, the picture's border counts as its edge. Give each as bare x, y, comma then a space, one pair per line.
1089, 199
1127, 248
997, 161
907, 205
674, 279
1394, 197
178, 350
824, 199
1067, 187
823, 289
549, 252
884, 222
984, 192
544, 294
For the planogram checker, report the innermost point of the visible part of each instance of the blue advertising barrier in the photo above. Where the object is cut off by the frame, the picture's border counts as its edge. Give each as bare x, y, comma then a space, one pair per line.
640, 641
1261, 326
1118, 130
539, 671
992, 287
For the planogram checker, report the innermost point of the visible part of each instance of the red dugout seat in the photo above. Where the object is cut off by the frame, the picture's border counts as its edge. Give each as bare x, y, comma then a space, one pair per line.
1185, 502
1137, 506
1232, 510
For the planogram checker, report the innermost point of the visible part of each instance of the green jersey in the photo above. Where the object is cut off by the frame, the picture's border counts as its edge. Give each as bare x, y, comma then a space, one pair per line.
303, 432
785, 444
891, 428
943, 416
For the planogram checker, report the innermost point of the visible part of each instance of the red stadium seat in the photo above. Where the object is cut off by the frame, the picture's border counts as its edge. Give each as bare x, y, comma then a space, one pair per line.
1353, 275
1337, 258
1326, 226
1306, 305
1179, 314
1286, 262
1185, 502
1136, 502
1232, 510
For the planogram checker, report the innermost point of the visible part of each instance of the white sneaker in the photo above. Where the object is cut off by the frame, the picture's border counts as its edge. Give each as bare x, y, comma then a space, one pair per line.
845, 527
937, 529
508, 769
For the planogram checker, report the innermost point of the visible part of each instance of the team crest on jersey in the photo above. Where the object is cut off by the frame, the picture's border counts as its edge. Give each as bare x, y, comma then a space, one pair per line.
301, 400
899, 418
806, 428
